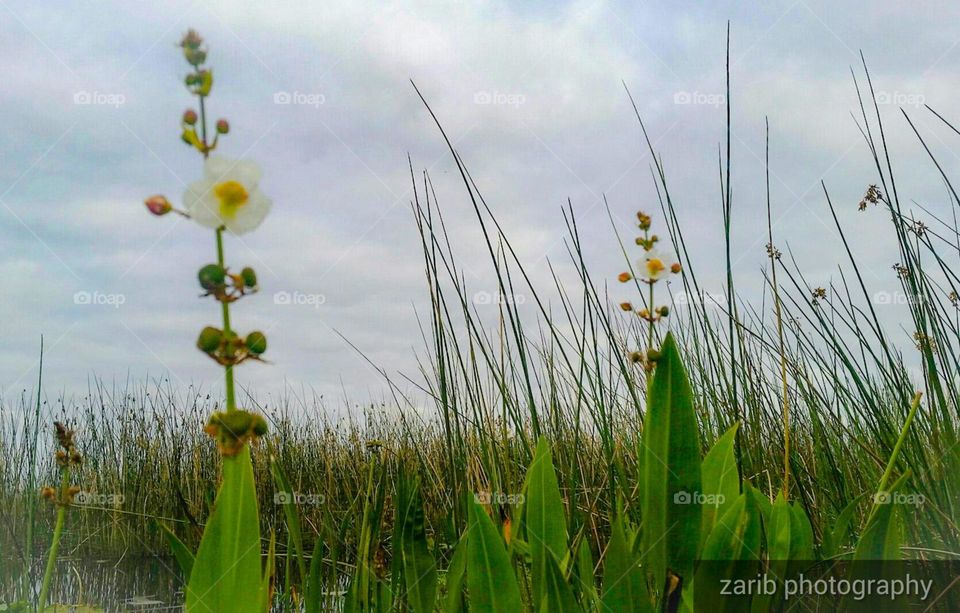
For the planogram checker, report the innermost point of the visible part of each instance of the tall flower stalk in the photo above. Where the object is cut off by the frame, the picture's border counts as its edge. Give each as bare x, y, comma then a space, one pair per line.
227, 572
67, 457
654, 265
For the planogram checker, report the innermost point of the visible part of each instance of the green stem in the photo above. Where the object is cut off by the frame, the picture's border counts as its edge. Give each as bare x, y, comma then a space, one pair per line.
225, 307
914, 405
55, 543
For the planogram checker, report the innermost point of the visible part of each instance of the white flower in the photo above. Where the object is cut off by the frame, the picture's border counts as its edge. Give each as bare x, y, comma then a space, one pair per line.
227, 196
655, 264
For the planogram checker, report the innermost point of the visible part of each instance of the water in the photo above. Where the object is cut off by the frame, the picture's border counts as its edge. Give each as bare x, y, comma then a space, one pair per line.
142, 583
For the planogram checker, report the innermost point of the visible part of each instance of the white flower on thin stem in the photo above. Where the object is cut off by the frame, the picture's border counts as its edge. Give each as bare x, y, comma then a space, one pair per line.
227, 196
656, 264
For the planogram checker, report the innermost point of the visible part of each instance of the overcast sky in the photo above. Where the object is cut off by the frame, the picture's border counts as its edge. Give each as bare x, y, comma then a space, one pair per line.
531, 94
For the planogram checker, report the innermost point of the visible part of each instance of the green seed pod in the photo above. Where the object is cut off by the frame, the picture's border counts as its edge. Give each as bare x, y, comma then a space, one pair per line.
211, 276
249, 277
256, 343
259, 425
209, 339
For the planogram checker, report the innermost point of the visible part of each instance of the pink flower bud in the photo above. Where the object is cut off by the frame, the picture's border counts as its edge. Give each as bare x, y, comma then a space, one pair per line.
158, 205
190, 117
222, 126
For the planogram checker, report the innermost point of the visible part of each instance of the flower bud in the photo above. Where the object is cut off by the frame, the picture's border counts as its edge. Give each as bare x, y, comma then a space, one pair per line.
223, 126
212, 276
663, 311
190, 117
192, 79
158, 205
256, 343
626, 306
49, 493
675, 268
249, 277
624, 277
209, 339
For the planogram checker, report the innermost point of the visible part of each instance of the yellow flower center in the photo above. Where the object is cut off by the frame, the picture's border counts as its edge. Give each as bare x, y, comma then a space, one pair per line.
232, 195
655, 266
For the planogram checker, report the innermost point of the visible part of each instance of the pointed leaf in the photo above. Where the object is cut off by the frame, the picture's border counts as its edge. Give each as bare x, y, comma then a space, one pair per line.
226, 573
672, 488
490, 580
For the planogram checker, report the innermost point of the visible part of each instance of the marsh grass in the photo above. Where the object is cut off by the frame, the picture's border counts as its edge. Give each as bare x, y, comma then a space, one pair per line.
558, 368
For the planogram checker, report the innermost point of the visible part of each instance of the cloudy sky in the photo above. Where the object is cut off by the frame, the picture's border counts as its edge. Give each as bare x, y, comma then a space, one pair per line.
319, 94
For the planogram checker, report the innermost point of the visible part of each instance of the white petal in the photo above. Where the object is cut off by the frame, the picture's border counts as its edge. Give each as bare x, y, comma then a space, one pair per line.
251, 214
219, 169
202, 205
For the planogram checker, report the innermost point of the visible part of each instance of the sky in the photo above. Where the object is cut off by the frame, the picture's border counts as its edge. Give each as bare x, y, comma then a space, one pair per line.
320, 96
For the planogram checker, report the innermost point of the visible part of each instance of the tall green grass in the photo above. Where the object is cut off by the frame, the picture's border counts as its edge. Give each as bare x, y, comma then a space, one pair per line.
558, 370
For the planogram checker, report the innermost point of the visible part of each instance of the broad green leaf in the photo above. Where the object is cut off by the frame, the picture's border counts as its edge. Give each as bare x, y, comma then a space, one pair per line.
624, 583
491, 583
734, 541
181, 552
671, 463
544, 516
419, 567
557, 594
454, 579
878, 552
801, 534
721, 480
226, 572
883, 535
779, 538
838, 537
586, 581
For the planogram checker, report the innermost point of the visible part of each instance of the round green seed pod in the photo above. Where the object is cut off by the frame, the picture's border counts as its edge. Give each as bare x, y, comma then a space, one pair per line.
256, 343
259, 425
209, 339
212, 276
249, 277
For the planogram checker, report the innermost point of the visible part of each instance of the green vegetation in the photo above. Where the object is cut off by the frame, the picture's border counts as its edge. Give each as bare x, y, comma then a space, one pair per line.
601, 458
